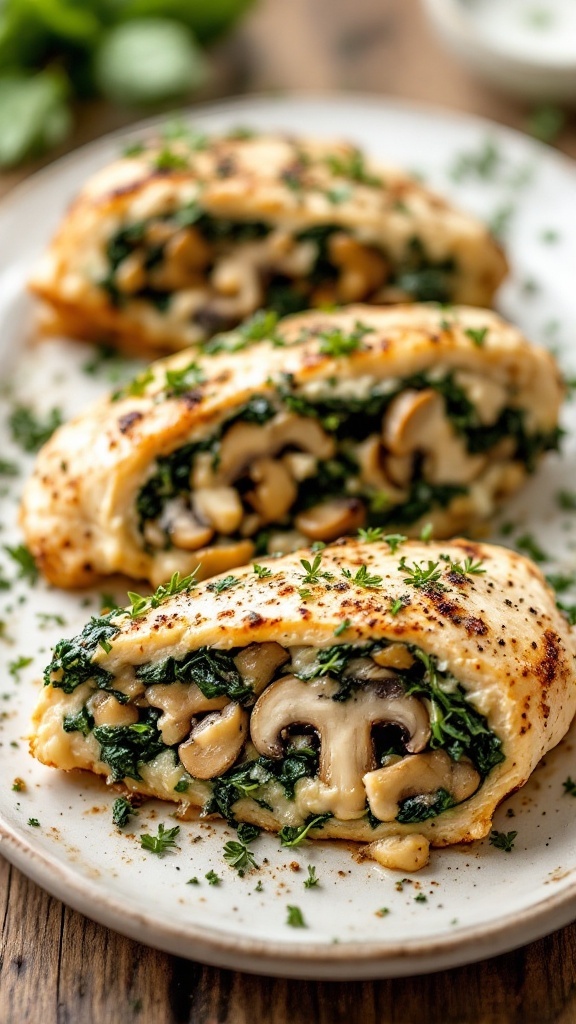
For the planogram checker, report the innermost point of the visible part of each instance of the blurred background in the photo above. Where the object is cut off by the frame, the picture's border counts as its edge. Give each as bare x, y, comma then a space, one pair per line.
70, 71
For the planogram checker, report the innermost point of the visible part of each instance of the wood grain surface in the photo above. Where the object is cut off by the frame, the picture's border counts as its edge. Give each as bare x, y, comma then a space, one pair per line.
56, 966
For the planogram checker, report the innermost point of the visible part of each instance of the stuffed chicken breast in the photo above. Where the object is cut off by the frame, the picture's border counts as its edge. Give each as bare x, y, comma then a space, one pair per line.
391, 691
188, 236
365, 417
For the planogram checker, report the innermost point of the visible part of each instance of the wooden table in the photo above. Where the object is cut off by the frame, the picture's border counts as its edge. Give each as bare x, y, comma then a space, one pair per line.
57, 967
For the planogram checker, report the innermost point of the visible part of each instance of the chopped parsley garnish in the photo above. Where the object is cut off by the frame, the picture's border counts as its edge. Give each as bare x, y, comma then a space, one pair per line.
351, 165
382, 912
140, 605
545, 123
529, 545
179, 382
362, 578
426, 533
417, 575
34, 822
136, 387
25, 561
502, 840
238, 856
344, 625
420, 898
29, 431
567, 500
18, 785
569, 787
312, 881
396, 606
482, 163
468, 567
212, 878
164, 840
168, 160
122, 810
370, 534
313, 573
8, 468
193, 881
394, 540
293, 835
477, 335
219, 586
336, 343
262, 571
16, 666
295, 917
46, 618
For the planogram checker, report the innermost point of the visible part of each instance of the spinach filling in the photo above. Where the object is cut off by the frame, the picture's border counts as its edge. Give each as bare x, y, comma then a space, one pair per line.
72, 663
246, 779
350, 420
213, 671
125, 747
422, 278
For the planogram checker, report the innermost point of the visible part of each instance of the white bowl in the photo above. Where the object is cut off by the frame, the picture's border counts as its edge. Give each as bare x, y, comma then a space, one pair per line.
525, 47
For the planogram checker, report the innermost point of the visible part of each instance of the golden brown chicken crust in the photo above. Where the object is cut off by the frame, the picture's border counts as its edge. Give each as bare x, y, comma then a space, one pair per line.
291, 186
497, 632
83, 525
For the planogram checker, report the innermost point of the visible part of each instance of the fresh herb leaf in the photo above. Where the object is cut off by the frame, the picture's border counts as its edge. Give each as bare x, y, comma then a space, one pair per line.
312, 881
370, 534
344, 625
16, 666
31, 432
293, 835
295, 917
34, 822
212, 878
313, 573
164, 840
468, 567
569, 787
477, 335
394, 540
396, 606
362, 578
25, 560
502, 840
262, 571
247, 832
219, 586
136, 387
122, 810
140, 605
351, 165
417, 575
426, 533
238, 856
179, 382
420, 898
566, 500
529, 545
336, 343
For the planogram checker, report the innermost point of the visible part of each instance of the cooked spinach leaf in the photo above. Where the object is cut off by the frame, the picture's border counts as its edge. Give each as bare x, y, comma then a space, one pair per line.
247, 779
125, 747
72, 663
214, 672
456, 726
81, 722
424, 806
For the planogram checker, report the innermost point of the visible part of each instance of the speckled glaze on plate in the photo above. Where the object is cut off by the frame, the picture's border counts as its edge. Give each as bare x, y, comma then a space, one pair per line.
479, 900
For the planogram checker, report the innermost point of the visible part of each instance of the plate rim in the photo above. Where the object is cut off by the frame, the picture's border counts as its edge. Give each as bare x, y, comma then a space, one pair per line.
342, 960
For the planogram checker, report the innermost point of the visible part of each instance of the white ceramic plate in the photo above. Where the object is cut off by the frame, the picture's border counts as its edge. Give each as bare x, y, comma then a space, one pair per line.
479, 900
